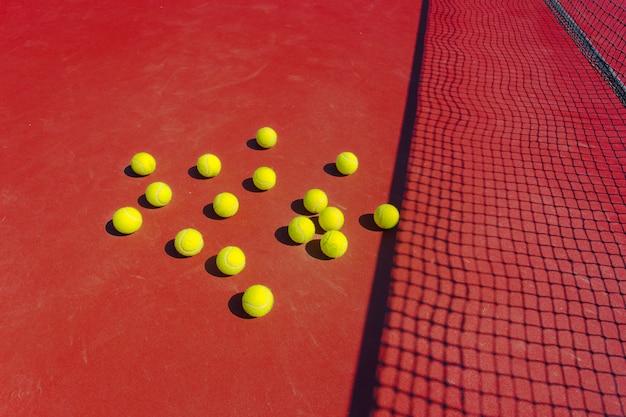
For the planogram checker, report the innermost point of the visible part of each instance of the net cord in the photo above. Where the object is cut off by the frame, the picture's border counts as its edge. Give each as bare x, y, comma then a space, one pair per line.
590, 52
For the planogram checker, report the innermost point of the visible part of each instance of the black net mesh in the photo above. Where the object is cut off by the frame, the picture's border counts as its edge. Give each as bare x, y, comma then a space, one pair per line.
504, 287
598, 27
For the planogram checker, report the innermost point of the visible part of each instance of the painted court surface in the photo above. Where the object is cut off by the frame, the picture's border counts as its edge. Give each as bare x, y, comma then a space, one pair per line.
501, 292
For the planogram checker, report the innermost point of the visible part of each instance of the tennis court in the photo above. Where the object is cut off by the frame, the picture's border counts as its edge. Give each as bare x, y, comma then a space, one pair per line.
496, 127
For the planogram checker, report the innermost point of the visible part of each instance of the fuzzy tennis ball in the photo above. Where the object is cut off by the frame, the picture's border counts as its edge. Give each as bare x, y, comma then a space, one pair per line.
334, 244
127, 220
301, 229
266, 137
257, 300
143, 163
209, 165
315, 200
231, 260
331, 218
264, 178
347, 163
158, 194
225, 204
189, 242
386, 216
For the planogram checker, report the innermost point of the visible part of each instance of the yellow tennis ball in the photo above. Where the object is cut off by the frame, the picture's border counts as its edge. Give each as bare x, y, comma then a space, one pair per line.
386, 216
315, 200
189, 242
209, 165
331, 218
266, 137
264, 178
231, 260
257, 300
127, 220
143, 163
301, 229
334, 244
158, 194
225, 204
347, 163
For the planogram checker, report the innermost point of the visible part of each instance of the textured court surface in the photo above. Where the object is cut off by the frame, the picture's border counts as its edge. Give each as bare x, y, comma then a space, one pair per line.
507, 292
102, 325
500, 294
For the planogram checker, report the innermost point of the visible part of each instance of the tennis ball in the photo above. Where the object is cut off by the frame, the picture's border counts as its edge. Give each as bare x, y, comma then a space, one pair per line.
331, 218
127, 220
315, 200
189, 242
225, 204
158, 194
334, 244
231, 260
143, 164
266, 137
264, 178
257, 300
301, 229
209, 165
347, 163
386, 216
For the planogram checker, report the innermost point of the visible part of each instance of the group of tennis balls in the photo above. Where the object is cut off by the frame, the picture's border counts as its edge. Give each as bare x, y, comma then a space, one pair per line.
258, 299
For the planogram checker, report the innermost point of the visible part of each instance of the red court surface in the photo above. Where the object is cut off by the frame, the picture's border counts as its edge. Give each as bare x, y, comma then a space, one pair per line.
506, 292
103, 325
500, 293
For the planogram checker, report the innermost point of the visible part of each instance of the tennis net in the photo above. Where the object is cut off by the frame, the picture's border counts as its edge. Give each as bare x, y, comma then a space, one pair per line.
598, 27
502, 292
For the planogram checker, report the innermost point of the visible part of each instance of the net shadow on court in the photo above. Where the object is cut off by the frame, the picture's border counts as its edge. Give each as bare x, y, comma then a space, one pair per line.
503, 289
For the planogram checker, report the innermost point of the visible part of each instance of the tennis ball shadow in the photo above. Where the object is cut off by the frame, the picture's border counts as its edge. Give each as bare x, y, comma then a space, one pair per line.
195, 174
209, 211
130, 173
211, 267
143, 202
235, 306
170, 249
110, 229
253, 144
248, 185
298, 207
331, 169
314, 249
282, 235
318, 229
367, 222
